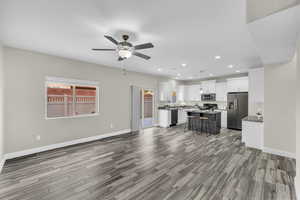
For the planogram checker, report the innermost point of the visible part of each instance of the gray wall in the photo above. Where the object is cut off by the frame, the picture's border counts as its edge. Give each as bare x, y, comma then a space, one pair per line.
25, 73
1, 101
257, 9
280, 104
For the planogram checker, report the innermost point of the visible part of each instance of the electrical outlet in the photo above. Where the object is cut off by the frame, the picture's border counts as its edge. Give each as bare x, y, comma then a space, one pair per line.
111, 125
38, 137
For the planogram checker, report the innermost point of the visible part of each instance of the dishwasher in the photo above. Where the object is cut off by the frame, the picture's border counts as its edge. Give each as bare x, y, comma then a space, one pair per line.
174, 117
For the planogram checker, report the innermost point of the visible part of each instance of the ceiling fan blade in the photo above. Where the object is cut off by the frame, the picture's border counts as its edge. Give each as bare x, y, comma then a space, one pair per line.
111, 39
143, 46
103, 49
141, 55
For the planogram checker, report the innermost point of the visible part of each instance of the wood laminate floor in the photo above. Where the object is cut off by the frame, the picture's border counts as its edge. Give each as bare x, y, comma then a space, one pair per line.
156, 164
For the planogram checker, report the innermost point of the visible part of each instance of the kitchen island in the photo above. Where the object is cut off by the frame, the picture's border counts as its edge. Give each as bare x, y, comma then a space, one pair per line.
213, 121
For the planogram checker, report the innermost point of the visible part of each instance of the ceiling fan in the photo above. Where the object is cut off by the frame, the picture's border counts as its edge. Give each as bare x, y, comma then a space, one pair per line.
125, 49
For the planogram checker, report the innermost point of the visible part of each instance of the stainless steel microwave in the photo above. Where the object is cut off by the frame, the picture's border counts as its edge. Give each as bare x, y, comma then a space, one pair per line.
208, 97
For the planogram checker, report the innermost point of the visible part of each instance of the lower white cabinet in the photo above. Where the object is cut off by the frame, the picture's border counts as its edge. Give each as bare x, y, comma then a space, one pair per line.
164, 118
182, 116
224, 119
253, 134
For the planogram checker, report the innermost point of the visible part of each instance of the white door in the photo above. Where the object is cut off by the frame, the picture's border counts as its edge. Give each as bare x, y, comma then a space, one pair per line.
148, 101
135, 108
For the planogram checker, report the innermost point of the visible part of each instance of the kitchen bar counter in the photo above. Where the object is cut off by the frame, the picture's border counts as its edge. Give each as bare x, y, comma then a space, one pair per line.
196, 111
214, 120
176, 108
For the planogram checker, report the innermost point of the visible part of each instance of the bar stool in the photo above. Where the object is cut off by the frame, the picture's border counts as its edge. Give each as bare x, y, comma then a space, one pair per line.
197, 125
190, 123
204, 124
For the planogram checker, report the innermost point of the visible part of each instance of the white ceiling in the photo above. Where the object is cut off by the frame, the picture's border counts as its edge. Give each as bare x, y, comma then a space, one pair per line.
276, 35
191, 32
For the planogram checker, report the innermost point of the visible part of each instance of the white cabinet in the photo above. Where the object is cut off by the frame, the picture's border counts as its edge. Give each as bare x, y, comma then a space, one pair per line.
224, 119
208, 86
182, 116
164, 91
164, 118
193, 93
238, 84
180, 93
253, 134
221, 91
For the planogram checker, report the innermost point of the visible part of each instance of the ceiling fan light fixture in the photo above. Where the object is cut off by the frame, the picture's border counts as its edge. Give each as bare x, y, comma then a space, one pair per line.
124, 53
125, 49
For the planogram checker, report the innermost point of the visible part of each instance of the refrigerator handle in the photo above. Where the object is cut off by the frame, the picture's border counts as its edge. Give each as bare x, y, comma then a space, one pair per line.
235, 104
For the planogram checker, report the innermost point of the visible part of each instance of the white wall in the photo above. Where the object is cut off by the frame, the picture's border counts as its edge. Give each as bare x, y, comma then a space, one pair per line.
257, 9
25, 72
298, 123
1, 101
256, 91
279, 107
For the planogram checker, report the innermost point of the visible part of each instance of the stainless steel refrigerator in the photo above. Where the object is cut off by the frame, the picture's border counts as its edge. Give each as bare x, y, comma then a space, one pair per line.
237, 109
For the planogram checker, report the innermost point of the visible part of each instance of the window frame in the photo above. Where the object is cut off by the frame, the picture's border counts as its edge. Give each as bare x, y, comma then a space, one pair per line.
72, 82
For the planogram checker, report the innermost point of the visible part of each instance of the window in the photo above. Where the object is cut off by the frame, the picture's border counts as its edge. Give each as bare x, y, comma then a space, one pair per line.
71, 98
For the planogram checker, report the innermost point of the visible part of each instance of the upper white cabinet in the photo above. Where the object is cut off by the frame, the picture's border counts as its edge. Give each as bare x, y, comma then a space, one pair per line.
221, 91
208, 86
180, 93
186, 93
238, 84
165, 91
193, 93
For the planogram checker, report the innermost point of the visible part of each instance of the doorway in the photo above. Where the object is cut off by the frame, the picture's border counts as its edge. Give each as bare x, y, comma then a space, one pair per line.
142, 108
147, 108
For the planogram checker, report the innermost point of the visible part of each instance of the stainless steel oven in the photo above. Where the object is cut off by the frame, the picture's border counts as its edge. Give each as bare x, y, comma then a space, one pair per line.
208, 97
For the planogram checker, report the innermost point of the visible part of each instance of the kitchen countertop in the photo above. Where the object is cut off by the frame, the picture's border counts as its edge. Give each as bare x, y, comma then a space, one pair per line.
176, 108
253, 119
204, 111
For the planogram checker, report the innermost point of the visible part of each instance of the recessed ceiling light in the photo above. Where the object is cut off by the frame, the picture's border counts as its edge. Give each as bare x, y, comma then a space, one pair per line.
159, 69
230, 66
217, 57
210, 74
178, 74
176, 77
237, 71
190, 77
183, 65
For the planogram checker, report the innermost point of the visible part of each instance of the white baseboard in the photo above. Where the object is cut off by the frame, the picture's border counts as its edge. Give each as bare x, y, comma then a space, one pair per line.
63, 144
297, 182
279, 152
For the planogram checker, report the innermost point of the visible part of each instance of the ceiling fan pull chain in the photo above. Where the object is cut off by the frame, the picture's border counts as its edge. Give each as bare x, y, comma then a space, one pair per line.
123, 68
